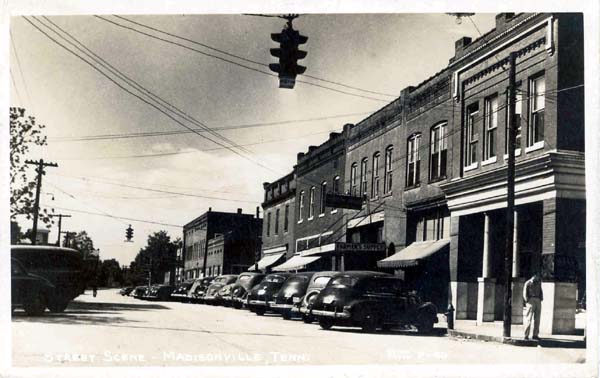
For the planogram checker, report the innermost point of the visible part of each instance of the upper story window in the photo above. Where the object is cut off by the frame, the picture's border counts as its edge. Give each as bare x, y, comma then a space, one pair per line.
363, 176
277, 212
323, 193
518, 113
311, 203
439, 154
375, 176
413, 170
336, 187
490, 126
471, 135
387, 174
269, 224
537, 89
286, 217
353, 180
301, 206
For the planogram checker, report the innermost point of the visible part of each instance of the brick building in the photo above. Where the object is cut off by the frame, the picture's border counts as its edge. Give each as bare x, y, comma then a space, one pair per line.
279, 209
231, 240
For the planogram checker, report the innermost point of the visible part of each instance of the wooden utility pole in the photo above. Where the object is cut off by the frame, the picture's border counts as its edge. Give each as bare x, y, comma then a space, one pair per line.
36, 207
510, 196
60, 217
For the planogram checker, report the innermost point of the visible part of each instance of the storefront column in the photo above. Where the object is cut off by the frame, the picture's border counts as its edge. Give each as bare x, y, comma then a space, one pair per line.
462, 294
342, 263
517, 281
333, 265
486, 294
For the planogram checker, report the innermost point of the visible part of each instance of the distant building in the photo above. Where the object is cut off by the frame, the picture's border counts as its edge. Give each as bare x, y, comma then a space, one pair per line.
232, 241
279, 222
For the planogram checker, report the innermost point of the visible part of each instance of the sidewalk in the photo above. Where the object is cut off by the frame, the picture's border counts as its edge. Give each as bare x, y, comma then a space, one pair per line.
492, 331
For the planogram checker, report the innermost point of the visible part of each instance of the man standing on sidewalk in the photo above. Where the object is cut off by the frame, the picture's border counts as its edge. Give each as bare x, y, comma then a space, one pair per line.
533, 297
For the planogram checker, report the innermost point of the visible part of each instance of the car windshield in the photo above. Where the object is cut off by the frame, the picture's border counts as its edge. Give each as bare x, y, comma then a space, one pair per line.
347, 281
244, 278
221, 279
276, 279
321, 281
295, 281
383, 286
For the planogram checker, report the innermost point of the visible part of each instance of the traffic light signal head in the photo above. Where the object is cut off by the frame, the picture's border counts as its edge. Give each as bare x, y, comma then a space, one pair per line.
129, 233
288, 55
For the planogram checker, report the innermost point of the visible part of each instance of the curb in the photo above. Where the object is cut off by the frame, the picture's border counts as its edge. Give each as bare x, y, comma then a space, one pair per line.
498, 339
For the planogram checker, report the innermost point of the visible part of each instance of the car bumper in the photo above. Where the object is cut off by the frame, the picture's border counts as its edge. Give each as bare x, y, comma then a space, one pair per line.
209, 298
332, 314
281, 306
255, 302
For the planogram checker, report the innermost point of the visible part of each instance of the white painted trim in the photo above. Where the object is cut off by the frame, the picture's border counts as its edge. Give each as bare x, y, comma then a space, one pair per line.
534, 147
300, 221
471, 167
321, 215
517, 153
334, 211
489, 161
310, 218
547, 21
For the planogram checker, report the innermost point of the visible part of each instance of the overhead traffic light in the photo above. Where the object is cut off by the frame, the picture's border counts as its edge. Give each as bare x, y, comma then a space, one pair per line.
129, 233
288, 54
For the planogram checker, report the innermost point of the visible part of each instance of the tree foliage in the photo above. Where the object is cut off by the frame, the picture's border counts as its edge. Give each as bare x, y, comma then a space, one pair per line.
25, 132
84, 243
158, 256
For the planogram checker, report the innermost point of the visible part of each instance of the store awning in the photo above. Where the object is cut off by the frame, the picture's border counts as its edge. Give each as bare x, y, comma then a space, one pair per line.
411, 255
267, 261
295, 263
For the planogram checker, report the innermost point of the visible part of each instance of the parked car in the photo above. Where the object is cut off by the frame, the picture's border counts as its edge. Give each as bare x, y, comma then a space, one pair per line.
216, 285
317, 282
139, 292
223, 296
244, 283
126, 290
291, 293
198, 289
371, 300
147, 291
180, 294
160, 293
263, 294
29, 291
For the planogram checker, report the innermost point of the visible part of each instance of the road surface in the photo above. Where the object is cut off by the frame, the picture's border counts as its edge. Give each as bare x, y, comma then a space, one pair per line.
111, 330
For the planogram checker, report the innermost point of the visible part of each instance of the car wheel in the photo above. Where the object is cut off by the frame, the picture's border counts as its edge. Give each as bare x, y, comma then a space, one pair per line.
237, 305
386, 327
286, 315
425, 326
260, 311
58, 305
35, 306
326, 323
369, 323
307, 319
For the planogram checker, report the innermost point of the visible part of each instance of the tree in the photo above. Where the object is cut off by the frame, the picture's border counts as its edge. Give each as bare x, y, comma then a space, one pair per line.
24, 133
83, 243
109, 273
159, 256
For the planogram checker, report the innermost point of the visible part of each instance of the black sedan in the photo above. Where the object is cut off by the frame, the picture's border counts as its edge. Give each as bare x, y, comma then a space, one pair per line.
291, 293
28, 291
371, 300
242, 286
211, 292
198, 289
180, 294
262, 295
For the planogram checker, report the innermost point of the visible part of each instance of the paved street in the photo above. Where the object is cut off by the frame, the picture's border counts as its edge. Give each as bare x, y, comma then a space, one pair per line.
111, 330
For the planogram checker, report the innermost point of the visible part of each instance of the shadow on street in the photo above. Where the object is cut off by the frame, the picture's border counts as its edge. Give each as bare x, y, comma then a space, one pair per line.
78, 313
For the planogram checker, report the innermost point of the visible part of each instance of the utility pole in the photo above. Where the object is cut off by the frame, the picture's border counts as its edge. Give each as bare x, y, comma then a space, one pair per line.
60, 217
510, 196
36, 207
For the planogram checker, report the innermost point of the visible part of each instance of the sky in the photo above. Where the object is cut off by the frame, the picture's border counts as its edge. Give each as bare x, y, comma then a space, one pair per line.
379, 53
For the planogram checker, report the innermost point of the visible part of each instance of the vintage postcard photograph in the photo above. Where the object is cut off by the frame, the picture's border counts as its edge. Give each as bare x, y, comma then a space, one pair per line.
284, 192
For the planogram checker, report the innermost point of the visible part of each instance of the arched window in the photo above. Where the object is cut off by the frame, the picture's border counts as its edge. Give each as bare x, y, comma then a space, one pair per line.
311, 203
323, 193
375, 176
353, 180
301, 206
438, 159
387, 175
413, 169
363, 176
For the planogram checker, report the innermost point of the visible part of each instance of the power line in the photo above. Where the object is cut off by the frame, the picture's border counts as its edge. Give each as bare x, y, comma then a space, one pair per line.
14, 47
189, 152
179, 132
161, 191
133, 83
142, 99
246, 59
233, 62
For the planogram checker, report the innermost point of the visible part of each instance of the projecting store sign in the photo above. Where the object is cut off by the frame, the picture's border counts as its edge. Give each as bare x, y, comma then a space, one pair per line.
343, 201
362, 247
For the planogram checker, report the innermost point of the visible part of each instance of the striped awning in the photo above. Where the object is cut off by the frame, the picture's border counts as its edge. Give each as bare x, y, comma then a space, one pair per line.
411, 255
297, 262
267, 261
